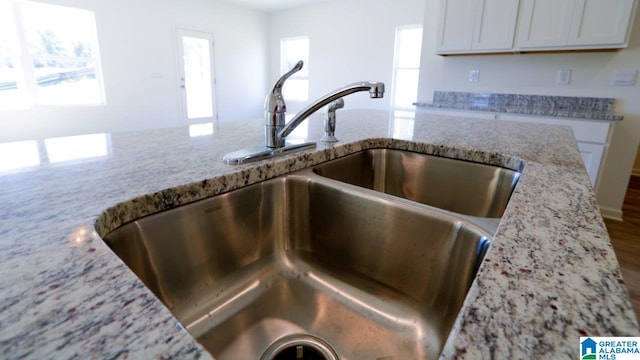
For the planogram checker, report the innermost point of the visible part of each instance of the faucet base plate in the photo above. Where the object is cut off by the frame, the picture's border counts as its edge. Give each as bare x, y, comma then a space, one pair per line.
329, 139
258, 153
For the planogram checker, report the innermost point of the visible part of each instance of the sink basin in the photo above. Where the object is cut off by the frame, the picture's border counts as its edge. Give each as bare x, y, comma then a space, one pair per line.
301, 263
464, 187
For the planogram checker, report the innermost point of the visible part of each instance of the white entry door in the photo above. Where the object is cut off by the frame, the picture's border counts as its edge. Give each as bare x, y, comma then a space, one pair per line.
196, 76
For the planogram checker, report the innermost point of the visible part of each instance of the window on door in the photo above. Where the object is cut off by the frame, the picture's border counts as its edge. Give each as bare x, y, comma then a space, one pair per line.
49, 55
296, 88
196, 75
406, 68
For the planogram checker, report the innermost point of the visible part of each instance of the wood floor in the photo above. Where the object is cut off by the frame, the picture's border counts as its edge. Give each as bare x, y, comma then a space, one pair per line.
625, 237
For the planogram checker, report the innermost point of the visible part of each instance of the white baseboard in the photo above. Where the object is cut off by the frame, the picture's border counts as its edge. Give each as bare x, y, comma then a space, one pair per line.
613, 214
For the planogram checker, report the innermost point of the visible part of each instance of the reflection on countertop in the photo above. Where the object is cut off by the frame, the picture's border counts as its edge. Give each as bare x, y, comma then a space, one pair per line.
22, 155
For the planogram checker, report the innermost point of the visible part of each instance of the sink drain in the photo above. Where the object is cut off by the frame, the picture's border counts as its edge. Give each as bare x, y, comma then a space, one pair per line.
299, 347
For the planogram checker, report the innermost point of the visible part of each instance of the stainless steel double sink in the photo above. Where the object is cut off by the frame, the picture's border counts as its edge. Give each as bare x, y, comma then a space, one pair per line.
369, 256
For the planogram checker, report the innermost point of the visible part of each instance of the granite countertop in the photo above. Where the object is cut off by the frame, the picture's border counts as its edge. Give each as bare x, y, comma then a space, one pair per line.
588, 108
550, 277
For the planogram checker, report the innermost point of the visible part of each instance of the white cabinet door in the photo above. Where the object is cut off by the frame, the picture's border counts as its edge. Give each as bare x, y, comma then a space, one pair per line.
591, 156
495, 24
476, 25
545, 23
592, 137
470, 26
592, 131
600, 22
455, 33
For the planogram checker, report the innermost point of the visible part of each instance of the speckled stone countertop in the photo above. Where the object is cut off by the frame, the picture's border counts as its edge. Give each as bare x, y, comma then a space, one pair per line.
589, 108
550, 277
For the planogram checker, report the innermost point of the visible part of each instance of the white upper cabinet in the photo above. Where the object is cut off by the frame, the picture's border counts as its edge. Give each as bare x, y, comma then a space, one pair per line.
574, 24
456, 25
469, 26
476, 25
544, 23
495, 24
600, 22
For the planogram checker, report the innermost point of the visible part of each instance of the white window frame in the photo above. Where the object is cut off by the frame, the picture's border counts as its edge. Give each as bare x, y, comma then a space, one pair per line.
23, 61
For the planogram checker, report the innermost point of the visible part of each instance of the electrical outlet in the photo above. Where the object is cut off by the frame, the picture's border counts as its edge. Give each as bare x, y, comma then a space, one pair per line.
564, 77
474, 75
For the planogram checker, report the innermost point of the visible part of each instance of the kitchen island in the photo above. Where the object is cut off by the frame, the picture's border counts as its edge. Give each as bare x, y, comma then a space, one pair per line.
550, 277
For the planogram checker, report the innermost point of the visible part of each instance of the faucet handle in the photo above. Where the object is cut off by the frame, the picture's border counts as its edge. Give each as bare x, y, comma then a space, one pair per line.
274, 102
280, 82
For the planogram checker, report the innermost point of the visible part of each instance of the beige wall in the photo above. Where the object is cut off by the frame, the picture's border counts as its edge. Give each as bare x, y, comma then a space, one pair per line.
349, 40
536, 74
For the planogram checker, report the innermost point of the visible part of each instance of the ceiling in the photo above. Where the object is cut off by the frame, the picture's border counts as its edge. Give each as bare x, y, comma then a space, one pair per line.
273, 5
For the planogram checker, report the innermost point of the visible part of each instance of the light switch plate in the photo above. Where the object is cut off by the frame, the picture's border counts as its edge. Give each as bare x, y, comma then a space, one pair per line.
474, 75
624, 77
564, 77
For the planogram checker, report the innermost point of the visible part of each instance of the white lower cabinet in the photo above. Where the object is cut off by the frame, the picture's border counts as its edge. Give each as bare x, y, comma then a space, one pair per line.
487, 115
592, 136
592, 157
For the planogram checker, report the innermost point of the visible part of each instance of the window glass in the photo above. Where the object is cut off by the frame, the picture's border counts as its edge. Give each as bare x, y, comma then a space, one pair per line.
296, 88
63, 82
197, 68
406, 87
294, 50
49, 54
409, 47
406, 68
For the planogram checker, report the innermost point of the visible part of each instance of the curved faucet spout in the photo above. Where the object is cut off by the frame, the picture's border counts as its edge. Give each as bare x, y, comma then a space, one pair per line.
376, 91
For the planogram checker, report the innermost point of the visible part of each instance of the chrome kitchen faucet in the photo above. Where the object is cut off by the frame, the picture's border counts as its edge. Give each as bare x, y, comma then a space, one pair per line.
276, 128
